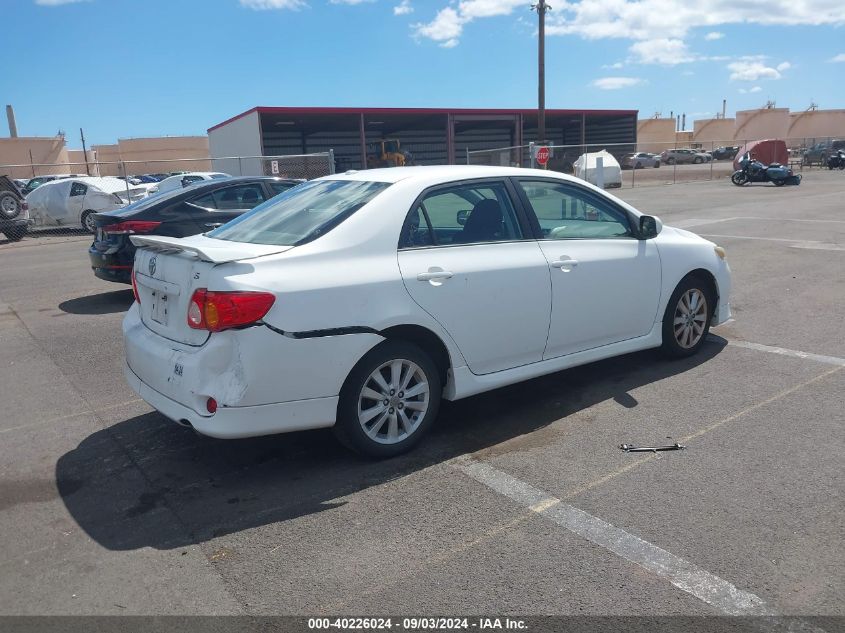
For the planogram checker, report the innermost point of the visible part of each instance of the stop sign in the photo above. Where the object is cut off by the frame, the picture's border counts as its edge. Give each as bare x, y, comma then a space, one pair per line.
542, 155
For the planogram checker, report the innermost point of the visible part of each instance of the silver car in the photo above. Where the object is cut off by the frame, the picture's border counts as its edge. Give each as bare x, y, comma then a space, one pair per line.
680, 156
640, 160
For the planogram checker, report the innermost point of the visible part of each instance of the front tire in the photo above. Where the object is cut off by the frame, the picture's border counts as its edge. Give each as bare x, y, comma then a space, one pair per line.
389, 400
739, 178
780, 182
697, 160
686, 321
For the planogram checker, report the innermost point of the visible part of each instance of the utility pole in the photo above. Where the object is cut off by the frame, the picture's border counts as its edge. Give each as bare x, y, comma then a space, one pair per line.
541, 8
84, 152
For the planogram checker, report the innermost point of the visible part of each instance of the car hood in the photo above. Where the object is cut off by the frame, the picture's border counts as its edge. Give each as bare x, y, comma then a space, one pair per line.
681, 234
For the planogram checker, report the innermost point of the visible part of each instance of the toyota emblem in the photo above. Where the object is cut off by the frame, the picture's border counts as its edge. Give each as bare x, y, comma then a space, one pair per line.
152, 265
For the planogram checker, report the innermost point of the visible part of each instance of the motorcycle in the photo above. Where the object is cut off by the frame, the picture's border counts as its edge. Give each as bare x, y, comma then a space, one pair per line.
837, 160
754, 171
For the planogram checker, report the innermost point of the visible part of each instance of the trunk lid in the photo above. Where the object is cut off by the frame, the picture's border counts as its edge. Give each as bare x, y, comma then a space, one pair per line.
169, 269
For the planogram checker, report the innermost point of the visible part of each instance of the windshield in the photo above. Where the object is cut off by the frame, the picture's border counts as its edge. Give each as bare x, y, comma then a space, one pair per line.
301, 214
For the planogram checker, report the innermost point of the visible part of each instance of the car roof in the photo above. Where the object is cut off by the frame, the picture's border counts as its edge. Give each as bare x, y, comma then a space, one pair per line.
441, 173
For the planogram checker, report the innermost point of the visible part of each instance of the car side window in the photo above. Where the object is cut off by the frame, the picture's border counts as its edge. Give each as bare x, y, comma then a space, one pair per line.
567, 212
463, 214
231, 198
280, 187
78, 189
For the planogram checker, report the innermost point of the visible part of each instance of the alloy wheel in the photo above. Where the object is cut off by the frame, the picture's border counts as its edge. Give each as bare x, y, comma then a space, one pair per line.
690, 318
393, 401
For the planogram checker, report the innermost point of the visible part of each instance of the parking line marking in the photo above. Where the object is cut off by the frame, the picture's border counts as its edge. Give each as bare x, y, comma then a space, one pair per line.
691, 222
70, 416
783, 351
684, 575
810, 244
634, 464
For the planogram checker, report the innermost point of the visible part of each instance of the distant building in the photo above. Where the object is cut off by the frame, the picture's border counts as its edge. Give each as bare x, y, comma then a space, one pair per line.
431, 135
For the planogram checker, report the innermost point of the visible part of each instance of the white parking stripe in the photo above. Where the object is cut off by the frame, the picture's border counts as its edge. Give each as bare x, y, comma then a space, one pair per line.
684, 575
819, 358
810, 244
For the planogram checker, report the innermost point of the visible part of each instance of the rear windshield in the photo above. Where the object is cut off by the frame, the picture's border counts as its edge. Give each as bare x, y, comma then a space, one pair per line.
301, 214
145, 203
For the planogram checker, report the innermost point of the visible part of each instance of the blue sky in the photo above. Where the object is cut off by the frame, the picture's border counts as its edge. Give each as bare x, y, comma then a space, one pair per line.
128, 68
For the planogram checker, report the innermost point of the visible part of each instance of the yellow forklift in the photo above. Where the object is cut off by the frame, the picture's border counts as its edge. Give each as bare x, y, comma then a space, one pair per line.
387, 153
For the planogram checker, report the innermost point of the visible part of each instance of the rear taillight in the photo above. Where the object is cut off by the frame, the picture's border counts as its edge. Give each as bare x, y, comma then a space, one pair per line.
135, 288
130, 227
217, 311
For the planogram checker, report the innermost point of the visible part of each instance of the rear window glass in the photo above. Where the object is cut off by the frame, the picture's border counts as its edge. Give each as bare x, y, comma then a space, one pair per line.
301, 214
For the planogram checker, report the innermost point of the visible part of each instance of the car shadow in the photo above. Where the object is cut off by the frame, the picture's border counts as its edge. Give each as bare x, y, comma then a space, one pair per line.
103, 303
147, 482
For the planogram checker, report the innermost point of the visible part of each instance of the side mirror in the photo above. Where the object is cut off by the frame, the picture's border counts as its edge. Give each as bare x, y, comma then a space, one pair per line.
649, 227
462, 217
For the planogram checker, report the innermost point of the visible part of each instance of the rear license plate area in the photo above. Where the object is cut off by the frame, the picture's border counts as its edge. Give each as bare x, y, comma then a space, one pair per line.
159, 307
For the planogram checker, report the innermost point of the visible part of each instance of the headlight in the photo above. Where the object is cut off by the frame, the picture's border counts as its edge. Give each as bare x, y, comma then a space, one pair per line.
720, 252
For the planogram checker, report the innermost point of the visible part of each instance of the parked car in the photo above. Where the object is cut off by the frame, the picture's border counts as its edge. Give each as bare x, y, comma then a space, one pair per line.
14, 213
74, 201
358, 301
680, 156
33, 183
176, 213
20, 183
819, 153
725, 152
640, 160
183, 180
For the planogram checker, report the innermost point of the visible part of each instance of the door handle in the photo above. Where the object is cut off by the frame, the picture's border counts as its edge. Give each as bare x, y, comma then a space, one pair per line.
565, 264
214, 225
434, 275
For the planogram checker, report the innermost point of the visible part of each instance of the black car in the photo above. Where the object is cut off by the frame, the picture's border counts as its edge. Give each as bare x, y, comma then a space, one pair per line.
180, 212
724, 153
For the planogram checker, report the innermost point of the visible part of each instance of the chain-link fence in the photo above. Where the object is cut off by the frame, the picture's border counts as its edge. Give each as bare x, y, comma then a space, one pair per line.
78, 190
658, 163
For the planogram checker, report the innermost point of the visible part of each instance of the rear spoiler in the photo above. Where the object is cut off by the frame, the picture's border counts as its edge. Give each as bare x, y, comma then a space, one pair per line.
207, 249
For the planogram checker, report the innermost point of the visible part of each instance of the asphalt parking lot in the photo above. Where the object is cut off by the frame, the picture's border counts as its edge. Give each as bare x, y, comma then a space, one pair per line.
520, 502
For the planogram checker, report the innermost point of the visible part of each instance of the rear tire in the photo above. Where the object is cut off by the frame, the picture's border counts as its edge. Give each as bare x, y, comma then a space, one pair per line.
686, 320
87, 221
780, 182
389, 400
15, 234
670, 161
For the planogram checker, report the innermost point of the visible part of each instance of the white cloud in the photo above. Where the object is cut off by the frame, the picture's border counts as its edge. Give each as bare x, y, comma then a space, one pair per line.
743, 91
56, 3
446, 28
352, 2
403, 8
838, 58
649, 19
263, 5
615, 83
448, 25
714, 35
751, 69
661, 51
615, 66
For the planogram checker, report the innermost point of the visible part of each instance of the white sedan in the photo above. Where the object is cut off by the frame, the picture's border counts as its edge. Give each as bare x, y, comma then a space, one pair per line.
74, 201
358, 301
184, 180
